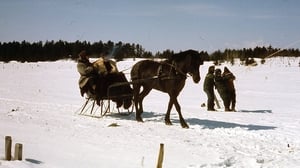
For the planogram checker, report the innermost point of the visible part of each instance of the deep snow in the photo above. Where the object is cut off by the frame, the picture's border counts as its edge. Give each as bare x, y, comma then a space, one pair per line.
39, 105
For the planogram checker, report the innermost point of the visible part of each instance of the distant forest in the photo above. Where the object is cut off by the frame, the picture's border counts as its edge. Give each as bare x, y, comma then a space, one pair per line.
55, 50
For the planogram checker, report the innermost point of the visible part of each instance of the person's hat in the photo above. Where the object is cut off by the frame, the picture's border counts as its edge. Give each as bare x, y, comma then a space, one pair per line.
211, 69
226, 69
218, 71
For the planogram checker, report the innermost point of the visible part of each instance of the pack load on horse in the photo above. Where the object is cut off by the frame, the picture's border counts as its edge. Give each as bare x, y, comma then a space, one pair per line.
101, 80
168, 76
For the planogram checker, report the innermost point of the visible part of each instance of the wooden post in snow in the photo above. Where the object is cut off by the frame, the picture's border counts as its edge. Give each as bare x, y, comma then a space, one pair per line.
8, 148
160, 156
18, 151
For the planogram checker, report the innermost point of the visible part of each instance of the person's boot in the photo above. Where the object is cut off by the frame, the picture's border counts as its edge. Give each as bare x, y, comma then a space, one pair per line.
210, 106
233, 108
81, 92
211, 109
227, 109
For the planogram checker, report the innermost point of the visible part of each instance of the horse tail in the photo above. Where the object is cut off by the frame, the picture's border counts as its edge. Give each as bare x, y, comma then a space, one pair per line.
135, 71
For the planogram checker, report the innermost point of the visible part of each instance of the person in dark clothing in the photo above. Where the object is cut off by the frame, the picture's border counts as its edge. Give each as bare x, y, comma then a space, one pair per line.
87, 80
222, 88
229, 78
208, 88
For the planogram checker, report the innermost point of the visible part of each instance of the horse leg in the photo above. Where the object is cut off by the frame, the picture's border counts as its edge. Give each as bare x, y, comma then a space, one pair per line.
141, 97
136, 99
167, 117
178, 109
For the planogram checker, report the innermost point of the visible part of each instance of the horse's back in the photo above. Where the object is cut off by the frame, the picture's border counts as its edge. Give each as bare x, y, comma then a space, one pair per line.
144, 69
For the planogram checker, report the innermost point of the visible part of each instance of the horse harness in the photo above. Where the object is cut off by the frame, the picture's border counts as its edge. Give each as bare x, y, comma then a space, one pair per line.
173, 73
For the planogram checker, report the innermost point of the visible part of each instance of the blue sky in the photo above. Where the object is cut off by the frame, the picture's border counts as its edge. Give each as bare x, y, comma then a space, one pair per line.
155, 24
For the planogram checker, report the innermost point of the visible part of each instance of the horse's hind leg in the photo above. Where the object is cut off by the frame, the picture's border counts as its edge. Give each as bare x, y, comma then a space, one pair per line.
138, 100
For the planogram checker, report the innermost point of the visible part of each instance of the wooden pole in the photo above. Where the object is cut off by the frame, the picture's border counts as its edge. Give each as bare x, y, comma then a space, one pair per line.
217, 102
18, 151
8, 148
160, 156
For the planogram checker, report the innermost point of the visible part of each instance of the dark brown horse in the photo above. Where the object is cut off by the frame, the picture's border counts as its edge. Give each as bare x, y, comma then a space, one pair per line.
168, 76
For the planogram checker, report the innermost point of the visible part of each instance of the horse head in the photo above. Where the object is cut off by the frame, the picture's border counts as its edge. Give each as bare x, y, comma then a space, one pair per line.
189, 62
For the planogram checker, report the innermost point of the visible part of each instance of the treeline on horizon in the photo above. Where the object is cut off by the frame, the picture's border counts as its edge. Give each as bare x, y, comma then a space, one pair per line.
56, 50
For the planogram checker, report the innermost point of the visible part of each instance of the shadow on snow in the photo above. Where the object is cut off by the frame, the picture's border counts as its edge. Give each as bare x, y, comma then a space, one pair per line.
148, 116
33, 161
210, 124
207, 124
255, 111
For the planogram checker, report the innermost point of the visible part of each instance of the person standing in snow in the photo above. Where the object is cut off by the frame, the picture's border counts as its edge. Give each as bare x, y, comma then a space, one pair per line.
222, 88
208, 88
87, 80
228, 79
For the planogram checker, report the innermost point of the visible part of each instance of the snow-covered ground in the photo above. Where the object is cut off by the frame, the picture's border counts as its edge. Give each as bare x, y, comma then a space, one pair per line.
39, 105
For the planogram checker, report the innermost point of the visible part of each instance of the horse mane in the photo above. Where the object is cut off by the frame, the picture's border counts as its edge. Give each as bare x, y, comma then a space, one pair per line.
181, 55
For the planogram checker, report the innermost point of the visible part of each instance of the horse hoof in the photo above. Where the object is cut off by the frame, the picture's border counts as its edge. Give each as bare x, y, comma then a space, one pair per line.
138, 119
185, 126
168, 123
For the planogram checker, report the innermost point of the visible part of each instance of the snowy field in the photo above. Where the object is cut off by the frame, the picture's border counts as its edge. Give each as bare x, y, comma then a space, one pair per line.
39, 105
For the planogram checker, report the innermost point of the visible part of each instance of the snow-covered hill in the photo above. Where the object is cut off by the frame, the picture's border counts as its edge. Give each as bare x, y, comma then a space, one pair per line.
39, 105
